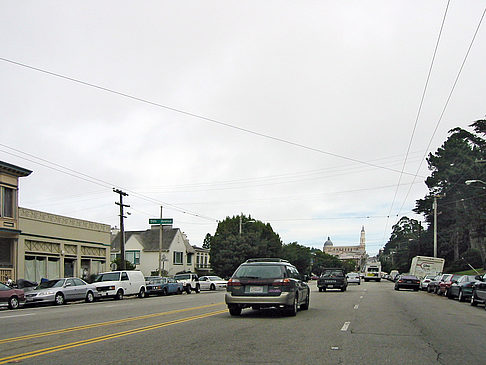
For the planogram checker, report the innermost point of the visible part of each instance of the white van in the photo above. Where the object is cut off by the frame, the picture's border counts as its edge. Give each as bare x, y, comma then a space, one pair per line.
117, 284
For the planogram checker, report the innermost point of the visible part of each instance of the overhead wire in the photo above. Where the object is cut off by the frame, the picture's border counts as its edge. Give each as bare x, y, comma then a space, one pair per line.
418, 115
198, 116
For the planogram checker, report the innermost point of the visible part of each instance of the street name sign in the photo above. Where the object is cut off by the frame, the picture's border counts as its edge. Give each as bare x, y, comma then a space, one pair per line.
161, 220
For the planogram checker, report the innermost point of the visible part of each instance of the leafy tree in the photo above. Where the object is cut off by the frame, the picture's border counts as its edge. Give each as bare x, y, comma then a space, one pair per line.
229, 248
323, 260
118, 262
297, 255
207, 241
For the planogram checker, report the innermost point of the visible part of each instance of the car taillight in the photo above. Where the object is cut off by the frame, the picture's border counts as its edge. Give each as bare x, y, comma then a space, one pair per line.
233, 282
281, 282
400, 281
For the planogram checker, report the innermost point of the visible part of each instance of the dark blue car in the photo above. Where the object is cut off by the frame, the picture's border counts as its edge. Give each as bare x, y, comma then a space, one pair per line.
163, 286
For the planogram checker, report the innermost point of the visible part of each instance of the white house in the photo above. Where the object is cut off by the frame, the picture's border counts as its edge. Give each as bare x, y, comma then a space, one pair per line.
142, 250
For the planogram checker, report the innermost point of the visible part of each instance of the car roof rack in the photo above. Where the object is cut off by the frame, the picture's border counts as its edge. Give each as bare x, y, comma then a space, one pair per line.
266, 259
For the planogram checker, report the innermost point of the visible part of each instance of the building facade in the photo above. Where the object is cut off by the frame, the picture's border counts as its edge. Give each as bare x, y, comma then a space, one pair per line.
52, 246
357, 252
9, 221
142, 250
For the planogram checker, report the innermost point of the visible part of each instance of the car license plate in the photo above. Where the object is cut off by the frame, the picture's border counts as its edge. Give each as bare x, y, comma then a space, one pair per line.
256, 289
330, 286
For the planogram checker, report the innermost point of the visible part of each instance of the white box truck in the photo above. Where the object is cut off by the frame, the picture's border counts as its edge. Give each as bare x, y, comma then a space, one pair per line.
423, 265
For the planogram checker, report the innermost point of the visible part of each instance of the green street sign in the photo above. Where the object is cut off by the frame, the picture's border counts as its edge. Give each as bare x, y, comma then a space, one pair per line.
161, 220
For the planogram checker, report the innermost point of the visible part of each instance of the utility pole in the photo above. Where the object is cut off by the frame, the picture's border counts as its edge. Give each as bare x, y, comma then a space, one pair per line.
122, 229
435, 225
160, 242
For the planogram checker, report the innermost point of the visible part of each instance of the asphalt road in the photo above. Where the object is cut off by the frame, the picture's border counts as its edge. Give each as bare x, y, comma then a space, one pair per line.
367, 324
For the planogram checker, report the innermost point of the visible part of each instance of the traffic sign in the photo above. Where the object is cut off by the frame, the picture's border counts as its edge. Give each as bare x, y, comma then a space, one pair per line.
161, 220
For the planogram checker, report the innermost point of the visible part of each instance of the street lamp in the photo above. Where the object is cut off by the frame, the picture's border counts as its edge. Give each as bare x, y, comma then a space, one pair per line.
469, 182
248, 221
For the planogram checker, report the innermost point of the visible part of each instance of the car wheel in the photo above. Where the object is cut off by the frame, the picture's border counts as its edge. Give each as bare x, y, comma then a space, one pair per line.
13, 303
212, 287
179, 291
89, 297
448, 294
473, 301
164, 291
460, 297
292, 309
234, 309
59, 299
141, 293
416, 289
119, 295
188, 289
198, 288
397, 288
305, 306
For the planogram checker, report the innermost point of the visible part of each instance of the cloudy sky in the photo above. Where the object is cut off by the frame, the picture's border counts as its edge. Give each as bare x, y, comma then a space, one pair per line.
298, 113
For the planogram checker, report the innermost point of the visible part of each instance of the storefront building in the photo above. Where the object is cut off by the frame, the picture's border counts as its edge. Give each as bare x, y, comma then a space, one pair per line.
52, 246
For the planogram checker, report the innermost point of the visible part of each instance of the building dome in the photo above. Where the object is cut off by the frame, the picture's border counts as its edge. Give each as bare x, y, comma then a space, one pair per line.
328, 243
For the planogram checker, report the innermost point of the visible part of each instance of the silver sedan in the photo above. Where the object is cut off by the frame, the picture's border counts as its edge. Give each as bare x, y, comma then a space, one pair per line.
60, 291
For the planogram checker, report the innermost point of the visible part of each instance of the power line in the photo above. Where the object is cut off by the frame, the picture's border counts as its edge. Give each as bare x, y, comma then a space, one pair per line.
207, 119
448, 100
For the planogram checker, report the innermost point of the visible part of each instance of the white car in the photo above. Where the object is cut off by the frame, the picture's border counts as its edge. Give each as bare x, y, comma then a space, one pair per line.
212, 283
353, 277
424, 283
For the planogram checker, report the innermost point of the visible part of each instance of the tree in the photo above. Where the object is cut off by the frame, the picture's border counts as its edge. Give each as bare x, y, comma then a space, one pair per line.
128, 264
207, 241
323, 260
229, 248
297, 255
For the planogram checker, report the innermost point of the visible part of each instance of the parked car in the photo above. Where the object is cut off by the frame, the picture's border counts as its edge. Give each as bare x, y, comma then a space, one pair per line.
353, 277
462, 289
117, 284
259, 283
424, 283
446, 283
212, 283
433, 286
407, 282
163, 286
60, 291
332, 279
190, 282
479, 292
25, 285
11, 297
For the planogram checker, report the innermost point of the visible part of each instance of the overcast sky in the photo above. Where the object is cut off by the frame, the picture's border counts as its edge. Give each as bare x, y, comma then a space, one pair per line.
310, 109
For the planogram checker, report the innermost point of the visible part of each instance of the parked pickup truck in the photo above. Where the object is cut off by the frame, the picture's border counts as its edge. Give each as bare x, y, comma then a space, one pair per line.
332, 279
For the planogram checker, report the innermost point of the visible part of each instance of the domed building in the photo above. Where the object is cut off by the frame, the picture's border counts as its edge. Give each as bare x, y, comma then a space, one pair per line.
357, 252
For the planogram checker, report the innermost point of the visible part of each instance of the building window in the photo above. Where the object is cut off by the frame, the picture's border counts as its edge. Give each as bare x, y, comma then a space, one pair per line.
7, 200
189, 258
178, 258
133, 257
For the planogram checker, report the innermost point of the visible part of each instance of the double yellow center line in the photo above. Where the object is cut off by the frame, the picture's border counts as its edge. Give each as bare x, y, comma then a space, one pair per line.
48, 350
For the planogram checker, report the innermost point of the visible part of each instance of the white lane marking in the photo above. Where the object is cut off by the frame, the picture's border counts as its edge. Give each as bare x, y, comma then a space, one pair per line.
356, 306
334, 348
366, 290
345, 326
17, 315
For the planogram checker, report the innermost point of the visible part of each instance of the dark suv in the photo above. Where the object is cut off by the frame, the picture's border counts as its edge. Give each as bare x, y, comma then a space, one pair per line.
267, 282
332, 279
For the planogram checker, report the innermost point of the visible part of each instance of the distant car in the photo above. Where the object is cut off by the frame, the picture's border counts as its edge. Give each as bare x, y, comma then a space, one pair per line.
314, 277
267, 282
10, 297
212, 283
462, 289
163, 286
333, 278
446, 283
407, 282
479, 292
60, 291
353, 277
424, 283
